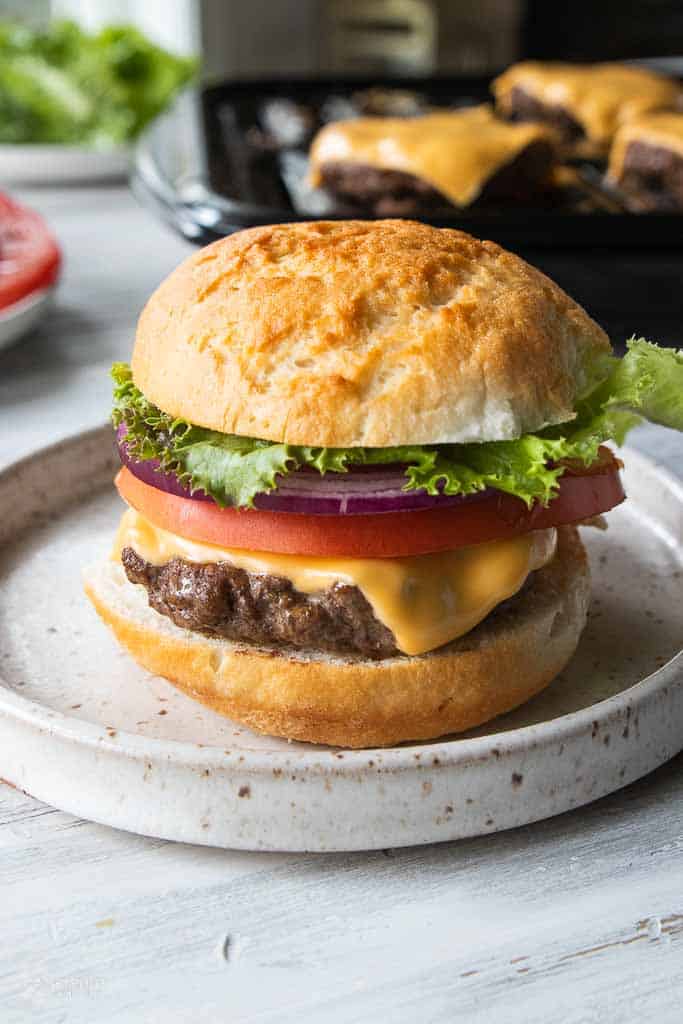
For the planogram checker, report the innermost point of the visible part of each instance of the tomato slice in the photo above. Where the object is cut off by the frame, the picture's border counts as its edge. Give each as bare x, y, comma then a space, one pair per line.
29, 256
389, 535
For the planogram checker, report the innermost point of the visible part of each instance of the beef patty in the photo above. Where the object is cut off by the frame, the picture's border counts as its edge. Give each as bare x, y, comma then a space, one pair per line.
524, 107
220, 600
652, 177
387, 193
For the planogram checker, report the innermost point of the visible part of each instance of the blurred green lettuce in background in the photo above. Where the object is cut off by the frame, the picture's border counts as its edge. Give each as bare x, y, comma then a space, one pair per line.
63, 85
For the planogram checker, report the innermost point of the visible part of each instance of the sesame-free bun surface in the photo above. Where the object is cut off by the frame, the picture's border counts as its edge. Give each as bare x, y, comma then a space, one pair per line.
353, 333
505, 660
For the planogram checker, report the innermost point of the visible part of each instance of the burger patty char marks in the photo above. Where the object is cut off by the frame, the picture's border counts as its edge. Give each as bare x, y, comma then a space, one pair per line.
395, 193
524, 107
222, 601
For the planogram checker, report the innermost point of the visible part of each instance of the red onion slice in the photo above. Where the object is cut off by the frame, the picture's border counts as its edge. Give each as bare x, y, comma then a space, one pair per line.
148, 471
365, 490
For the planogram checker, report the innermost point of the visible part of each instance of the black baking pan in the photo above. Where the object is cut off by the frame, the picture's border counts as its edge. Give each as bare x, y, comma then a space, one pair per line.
233, 155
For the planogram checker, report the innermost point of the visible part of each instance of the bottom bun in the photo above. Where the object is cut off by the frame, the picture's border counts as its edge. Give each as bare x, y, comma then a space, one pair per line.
352, 702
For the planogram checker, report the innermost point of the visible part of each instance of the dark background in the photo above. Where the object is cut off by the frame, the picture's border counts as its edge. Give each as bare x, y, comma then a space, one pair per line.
632, 291
601, 29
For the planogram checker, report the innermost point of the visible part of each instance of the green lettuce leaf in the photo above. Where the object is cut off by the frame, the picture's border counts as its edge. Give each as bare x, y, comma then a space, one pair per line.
63, 85
647, 381
646, 384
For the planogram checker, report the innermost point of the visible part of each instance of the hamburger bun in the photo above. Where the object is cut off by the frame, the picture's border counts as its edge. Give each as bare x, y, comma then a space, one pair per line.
360, 333
505, 660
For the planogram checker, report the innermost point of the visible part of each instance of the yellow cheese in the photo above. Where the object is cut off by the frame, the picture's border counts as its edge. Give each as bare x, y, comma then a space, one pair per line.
454, 151
599, 97
425, 601
665, 130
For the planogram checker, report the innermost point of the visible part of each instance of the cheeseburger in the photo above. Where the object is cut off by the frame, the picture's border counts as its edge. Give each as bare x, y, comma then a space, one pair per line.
585, 104
355, 456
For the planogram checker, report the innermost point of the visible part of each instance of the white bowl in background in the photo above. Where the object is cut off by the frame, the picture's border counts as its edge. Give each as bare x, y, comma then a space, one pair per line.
51, 164
19, 318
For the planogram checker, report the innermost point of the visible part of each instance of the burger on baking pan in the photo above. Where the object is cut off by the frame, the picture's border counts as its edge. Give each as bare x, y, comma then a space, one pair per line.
584, 104
355, 454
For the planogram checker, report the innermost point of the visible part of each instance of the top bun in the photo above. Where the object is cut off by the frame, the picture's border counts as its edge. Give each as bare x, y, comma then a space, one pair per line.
355, 333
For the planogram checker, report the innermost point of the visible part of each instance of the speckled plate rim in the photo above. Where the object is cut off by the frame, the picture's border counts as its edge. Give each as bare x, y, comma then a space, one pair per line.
451, 751
658, 697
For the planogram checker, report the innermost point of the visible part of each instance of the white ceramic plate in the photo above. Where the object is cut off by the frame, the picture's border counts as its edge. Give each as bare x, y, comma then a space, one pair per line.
83, 728
21, 317
62, 165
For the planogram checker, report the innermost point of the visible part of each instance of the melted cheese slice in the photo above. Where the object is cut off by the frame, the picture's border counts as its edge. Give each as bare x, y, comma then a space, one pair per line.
456, 152
599, 97
425, 601
665, 130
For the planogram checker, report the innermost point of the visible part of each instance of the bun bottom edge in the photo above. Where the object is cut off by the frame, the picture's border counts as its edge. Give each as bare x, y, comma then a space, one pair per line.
507, 659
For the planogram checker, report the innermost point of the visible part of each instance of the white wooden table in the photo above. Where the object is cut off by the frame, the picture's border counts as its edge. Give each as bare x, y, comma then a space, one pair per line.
575, 920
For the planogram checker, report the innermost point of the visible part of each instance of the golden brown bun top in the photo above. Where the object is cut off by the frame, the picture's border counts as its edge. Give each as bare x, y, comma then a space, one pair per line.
353, 333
